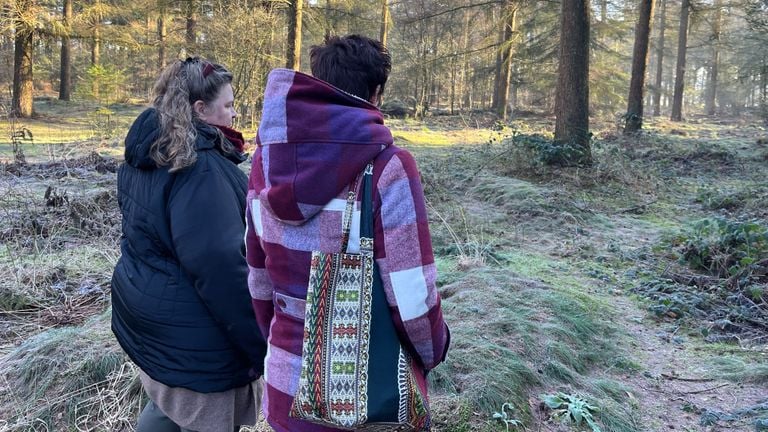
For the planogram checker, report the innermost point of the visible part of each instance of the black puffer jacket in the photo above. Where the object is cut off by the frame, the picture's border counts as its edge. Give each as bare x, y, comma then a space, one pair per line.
180, 302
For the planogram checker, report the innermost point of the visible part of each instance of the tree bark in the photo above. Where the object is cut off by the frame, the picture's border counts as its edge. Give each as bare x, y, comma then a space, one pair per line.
682, 48
764, 90
384, 22
634, 116
190, 36
465, 73
293, 54
499, 62
65, 70
710, 105
660, 60
603, 11
162, 34
504, 71
23, 89
96, 45
572, 104
329, 24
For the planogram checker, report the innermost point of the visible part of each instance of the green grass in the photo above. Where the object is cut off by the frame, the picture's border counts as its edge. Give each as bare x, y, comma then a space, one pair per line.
738, 370
512, 336
65, 130
67, 378
425, 137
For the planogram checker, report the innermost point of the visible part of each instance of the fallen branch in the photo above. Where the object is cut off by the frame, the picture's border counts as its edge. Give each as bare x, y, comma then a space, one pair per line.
706, 390
673, 377
635, 208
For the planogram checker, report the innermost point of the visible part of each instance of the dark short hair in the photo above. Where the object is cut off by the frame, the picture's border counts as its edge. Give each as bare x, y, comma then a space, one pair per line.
353, 63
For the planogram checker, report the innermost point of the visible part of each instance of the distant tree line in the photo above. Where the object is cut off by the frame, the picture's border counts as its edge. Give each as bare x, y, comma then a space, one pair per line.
627, 58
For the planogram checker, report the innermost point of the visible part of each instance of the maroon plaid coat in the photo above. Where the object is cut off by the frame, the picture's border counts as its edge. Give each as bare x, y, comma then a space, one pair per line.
313, 141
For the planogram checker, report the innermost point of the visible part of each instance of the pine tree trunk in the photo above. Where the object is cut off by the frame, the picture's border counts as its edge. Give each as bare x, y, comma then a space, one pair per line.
634, 116
384, 22
503, 83
466, 86
190, 36
96, 46
96, 57
453, 85
603, 11
23, 89
682, 48
764, 90
328, 20
293, 54
65, 70
162, 34
710, 105
572, 104
495, 95
658, 89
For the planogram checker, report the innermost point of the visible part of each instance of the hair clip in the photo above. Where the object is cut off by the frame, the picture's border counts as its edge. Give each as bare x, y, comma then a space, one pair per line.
208, 69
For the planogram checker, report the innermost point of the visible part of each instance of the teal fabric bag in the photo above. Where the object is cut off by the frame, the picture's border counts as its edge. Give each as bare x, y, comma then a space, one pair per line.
355, 374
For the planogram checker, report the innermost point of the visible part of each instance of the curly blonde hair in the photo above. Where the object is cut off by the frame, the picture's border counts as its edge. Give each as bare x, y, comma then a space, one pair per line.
180, 85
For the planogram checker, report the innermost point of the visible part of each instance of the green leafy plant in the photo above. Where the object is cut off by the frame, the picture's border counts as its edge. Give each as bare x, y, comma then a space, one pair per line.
507, 417
549, 152
571, 409
716, 199
727, 249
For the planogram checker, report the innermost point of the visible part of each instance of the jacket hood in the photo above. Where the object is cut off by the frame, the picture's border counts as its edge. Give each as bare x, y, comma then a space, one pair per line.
315, 139
145, 131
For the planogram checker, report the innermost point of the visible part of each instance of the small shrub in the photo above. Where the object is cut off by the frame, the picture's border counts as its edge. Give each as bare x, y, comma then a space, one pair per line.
396, 108
549, 152
104, 84
572, 409
726, 249
103, 123
715, 199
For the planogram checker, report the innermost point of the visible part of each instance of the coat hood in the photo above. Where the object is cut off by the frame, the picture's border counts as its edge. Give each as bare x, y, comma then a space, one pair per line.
314, 140
145, 131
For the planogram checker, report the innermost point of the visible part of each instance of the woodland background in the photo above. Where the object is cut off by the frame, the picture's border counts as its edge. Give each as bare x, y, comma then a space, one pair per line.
595, 174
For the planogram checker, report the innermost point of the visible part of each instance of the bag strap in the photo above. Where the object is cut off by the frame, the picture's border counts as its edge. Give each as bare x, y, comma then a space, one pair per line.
366, 210
349, 209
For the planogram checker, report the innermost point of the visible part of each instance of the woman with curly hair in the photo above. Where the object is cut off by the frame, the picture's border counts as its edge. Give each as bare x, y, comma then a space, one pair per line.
180, 303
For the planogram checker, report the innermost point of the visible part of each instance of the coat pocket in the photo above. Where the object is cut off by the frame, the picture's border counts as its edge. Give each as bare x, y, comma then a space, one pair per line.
291, 306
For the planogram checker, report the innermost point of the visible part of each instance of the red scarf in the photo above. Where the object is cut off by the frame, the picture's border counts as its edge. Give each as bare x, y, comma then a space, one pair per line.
235, 137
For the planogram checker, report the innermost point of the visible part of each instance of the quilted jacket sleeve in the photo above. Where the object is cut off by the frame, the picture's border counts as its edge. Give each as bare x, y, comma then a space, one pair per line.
259, 283
406, 261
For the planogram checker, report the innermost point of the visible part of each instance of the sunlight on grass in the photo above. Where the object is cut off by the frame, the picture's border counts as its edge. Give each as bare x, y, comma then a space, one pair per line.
434, 138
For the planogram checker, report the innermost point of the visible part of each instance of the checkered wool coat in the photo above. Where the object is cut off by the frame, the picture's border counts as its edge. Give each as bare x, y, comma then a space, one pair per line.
313, 141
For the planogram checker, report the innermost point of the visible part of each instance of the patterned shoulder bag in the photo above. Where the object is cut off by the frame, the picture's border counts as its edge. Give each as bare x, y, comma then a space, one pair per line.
355, 374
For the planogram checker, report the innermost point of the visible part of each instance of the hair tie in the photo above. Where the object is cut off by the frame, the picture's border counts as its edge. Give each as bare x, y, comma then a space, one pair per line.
207, 70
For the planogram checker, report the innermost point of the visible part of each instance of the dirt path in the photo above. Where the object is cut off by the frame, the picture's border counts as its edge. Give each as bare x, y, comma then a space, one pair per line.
676, 387
673, 387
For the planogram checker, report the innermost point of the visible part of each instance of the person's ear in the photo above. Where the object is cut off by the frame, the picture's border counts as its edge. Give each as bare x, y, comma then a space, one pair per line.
376, 96
199, 108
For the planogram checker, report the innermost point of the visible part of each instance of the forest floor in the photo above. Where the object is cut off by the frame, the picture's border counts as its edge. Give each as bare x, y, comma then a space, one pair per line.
570, 282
